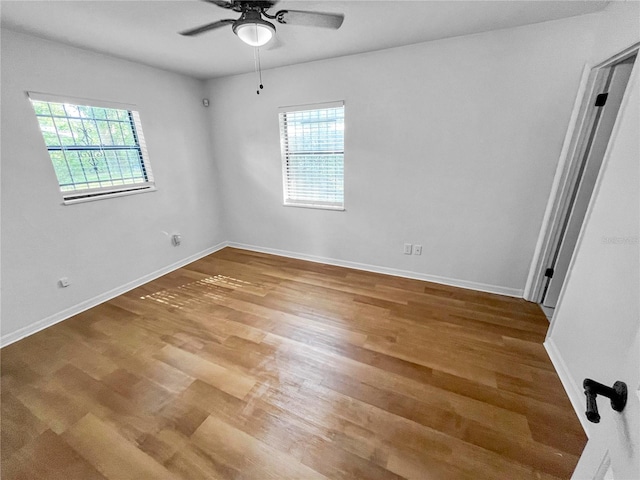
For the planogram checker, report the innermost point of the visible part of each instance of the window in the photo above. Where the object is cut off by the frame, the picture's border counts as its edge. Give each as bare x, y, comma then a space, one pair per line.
312, 144
97, 151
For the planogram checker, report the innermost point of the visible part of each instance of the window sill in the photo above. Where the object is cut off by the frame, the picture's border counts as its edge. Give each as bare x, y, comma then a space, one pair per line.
315, 207
105, 196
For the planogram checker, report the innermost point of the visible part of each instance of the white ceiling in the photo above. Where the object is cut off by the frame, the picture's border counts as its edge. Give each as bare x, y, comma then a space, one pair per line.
146, 31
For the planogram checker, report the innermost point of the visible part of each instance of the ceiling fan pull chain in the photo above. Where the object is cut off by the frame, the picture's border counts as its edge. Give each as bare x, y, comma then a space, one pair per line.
255, 63
258, 67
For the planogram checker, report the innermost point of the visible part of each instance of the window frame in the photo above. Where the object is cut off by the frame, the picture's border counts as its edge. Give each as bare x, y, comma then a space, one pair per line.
287, 201
81, 195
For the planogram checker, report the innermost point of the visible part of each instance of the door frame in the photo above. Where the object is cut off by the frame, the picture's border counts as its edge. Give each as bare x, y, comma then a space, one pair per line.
584, 111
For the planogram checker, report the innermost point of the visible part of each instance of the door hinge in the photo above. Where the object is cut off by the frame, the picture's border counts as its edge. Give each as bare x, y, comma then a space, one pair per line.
548, 272
601, 99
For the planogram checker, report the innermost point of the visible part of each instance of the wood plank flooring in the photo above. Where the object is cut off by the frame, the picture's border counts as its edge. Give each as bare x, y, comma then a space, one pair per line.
250, 366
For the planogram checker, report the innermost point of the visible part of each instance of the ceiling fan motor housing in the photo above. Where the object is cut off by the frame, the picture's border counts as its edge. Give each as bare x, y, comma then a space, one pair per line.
244, 5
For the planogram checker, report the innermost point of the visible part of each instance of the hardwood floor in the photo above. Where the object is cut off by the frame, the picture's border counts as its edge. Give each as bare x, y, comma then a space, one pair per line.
245, 365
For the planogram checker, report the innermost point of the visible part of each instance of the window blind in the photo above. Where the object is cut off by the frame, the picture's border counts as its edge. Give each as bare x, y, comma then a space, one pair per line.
312, 144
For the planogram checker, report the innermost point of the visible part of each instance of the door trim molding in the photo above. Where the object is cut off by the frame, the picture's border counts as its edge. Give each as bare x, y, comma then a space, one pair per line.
549, 231
592, 79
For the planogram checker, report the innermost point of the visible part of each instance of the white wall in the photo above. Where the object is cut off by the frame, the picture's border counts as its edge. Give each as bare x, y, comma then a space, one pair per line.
617, 28
450, 144
100, 245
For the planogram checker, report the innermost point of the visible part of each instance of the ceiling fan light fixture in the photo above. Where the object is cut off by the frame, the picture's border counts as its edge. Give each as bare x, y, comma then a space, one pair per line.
254, 31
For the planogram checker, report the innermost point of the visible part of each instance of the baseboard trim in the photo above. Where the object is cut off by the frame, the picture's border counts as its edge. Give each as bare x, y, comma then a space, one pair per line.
574, 392
97, 300
482, 287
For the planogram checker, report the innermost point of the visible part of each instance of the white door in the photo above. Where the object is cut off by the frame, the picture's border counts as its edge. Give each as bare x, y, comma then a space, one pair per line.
612, 452
595, 332
618, 77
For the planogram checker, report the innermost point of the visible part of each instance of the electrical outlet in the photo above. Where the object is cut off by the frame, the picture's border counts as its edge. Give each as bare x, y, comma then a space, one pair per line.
407, 249
63, 282
176, 239
417, 249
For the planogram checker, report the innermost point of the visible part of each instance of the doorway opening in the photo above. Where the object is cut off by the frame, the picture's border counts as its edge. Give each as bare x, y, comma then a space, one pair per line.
601, 92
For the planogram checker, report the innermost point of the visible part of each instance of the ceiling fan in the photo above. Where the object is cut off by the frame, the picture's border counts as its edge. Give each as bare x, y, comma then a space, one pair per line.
254, 30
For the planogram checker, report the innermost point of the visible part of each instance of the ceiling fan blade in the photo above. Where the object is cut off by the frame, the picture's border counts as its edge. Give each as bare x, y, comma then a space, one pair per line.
205, 28
311, 19
221, 3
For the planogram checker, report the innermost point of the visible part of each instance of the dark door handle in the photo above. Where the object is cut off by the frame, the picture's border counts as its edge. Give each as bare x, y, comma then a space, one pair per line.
617, 395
